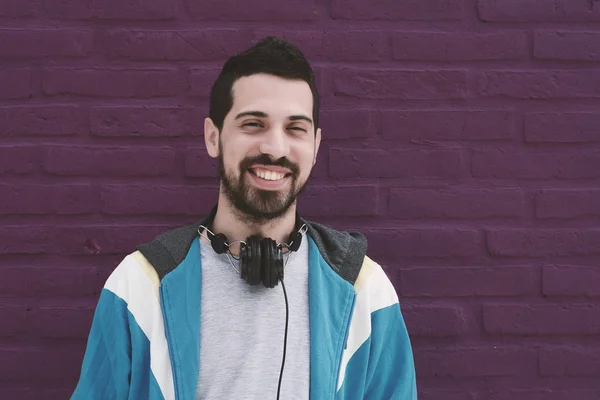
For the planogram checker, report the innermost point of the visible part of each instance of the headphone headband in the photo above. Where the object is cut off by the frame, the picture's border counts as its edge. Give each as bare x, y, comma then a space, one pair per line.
261, 259
220, 243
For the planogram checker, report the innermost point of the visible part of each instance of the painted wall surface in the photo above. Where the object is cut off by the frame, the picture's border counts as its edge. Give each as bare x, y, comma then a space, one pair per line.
461, 136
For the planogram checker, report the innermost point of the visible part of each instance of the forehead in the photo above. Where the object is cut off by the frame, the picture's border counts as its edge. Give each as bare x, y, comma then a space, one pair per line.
277, 97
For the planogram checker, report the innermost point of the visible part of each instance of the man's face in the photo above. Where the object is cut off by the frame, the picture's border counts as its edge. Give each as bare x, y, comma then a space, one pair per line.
267, 146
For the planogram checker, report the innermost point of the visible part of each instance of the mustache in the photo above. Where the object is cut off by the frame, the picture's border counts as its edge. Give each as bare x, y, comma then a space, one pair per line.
264, 159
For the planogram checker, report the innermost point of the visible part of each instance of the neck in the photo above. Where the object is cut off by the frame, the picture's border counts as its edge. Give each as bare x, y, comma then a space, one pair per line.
233, 225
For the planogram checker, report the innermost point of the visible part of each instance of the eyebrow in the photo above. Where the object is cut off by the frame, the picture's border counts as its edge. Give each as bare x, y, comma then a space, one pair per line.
300, 118
260, 114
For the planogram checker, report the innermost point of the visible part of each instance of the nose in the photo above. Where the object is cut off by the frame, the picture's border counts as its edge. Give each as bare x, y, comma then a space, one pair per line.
275, 143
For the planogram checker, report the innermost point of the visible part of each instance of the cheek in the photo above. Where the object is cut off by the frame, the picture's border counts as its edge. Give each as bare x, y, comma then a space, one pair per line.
231, 163
230, 153
237, 150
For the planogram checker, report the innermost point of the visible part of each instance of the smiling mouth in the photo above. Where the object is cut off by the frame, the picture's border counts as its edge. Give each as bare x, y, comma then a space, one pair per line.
268, 175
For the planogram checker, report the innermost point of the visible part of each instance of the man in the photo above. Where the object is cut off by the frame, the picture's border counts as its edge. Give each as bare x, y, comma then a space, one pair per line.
313, 316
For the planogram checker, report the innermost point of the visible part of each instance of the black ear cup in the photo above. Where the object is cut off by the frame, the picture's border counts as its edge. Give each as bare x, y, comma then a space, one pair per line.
250, 261
219, 243
295, 240
272, 263
244, 262
265, 267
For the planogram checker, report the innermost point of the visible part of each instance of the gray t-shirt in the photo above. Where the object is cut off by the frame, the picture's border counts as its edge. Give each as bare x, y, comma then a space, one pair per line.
242, 330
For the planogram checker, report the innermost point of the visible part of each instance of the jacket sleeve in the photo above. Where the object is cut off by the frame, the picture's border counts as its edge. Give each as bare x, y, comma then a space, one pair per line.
106, 364
385, 352
391, 370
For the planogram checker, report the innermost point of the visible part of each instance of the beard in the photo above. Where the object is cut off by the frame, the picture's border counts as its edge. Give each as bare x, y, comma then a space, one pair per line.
258, 206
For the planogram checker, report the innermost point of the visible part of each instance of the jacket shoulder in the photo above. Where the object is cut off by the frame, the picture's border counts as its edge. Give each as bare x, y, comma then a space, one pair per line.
344, 252
167, 251
373, 281
133, 271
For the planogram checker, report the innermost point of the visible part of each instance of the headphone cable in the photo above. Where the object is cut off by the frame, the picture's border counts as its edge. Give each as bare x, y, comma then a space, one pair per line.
287, 313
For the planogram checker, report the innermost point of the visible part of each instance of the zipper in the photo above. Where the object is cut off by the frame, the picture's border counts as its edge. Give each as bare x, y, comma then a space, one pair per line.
169, 342
344, 344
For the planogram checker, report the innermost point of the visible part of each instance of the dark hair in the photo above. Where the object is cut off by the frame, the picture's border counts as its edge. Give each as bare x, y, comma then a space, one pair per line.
271, 55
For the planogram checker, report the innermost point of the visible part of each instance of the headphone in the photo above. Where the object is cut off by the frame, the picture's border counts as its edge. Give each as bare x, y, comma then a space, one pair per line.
261, 259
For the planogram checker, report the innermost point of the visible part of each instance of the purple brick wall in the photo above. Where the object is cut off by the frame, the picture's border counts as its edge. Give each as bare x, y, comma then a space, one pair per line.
462, 136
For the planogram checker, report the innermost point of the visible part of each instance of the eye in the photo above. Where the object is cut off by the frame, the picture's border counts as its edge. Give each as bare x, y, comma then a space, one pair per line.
251, 124
297, 128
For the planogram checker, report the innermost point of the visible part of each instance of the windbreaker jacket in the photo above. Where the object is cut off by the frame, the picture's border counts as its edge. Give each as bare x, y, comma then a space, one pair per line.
145, 337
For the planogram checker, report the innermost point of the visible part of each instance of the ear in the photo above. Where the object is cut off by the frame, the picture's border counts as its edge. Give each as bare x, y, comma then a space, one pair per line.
211, 138
317, 144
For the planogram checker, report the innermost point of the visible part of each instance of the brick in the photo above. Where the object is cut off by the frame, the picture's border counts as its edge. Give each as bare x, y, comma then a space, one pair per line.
202, 81
18, 43
572, 127
541, 320
16, 319
15, 83
508, 164
321, 168
446, 125
543, 242
539, 84
198, 164
20, 240
42, 199
111, 9
424, 243
475, 362
559, 203
135, 200
441, 394
543, 394
458, 203
50, 281
435, 321
113, 82
538, 11
58, 394
348, 124
565, 45
266, 10
371, 163
400, 84
571, 281
67, 322
323, 81
17, 394
206, 44
409, 10
17, 159
146, 121
326, 201
363, 45
573, 361
469, 282
76, 240
110, 161
42, 121
449, 46
17, 8
54, 365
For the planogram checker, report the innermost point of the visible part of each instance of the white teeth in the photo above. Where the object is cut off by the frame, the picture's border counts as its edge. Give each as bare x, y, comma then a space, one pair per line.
269, 175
